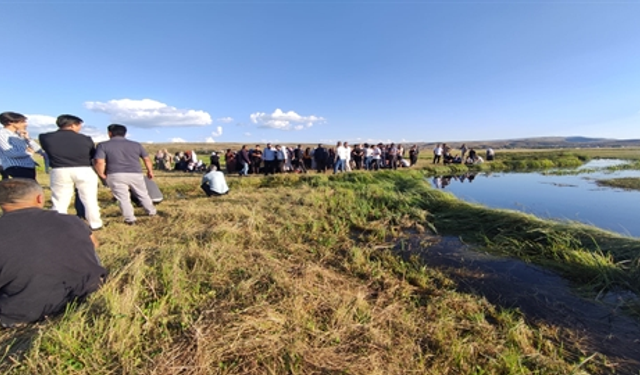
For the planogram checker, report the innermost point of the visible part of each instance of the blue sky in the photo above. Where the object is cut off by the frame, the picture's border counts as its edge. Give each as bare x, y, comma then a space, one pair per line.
288, 71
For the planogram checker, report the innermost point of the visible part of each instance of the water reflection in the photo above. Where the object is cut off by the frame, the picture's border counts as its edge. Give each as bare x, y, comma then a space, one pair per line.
442, 182
565, 197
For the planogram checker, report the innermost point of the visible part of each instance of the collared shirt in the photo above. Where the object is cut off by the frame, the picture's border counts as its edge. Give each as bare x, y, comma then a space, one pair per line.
216, 182
13, 150
121, 155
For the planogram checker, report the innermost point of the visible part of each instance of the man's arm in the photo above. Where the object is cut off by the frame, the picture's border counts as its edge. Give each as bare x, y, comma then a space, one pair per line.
94, 240
100, 166
149, 166
10, 149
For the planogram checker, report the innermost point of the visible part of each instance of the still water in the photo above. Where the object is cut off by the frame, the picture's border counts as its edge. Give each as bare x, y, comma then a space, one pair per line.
572, 197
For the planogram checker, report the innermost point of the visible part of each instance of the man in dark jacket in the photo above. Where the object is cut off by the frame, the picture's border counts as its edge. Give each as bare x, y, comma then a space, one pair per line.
243, 161
320, 155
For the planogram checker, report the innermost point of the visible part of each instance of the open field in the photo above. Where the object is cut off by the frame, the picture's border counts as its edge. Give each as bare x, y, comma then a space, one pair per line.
295, 274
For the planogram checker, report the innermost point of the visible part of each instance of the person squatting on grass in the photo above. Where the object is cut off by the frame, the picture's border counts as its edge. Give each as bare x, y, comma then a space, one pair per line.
70, 158
16, 148
213, 182
117, 163
40, 274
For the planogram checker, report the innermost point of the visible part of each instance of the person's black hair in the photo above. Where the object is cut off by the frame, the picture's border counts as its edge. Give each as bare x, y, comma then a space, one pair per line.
65, 121
117, 130
7, 118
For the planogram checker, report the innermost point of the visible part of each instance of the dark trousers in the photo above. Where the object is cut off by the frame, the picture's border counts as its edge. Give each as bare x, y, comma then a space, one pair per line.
298, 164
19, 172
255, 165
207, 190
269, 166
436, 159
321, 166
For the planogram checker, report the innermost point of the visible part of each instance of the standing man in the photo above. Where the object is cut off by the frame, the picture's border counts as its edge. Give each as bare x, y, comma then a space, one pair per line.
70, 158
320, 156
16, 148
298, 161
256, 159
269, 157
243, 159
342, 155
117, 161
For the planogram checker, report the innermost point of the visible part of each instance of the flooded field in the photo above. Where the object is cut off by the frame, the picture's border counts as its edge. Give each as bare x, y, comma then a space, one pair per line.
565, 197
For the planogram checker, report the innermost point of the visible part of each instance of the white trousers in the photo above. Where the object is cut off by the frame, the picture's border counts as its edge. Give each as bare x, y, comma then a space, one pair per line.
85, 179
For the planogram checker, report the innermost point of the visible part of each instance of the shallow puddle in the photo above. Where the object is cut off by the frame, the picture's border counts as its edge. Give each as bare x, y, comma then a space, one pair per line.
542, 296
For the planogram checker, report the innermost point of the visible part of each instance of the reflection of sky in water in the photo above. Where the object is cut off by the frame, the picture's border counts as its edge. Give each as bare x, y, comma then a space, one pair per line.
574, 197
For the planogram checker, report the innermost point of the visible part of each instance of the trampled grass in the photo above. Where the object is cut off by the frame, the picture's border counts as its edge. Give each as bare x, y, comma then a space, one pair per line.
293, 275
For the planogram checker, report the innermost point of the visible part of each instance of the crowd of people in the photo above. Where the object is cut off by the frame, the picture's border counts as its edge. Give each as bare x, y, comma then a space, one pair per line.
445, 153
39, 277
274, 159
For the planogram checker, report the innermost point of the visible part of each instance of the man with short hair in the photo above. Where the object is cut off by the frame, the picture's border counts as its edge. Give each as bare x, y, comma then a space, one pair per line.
70, 158
47, 260
117, 162
16, 148
213, 182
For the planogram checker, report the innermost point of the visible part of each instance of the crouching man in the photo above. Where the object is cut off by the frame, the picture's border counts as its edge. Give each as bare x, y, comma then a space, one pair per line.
214, 183
47, 259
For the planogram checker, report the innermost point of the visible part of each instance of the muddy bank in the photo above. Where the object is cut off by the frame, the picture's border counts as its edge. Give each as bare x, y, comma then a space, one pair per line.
541, 296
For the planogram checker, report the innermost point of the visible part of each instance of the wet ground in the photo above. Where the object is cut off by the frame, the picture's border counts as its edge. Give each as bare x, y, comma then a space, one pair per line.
540, 295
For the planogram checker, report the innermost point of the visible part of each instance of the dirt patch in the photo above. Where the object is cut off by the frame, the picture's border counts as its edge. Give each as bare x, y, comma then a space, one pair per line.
540, 295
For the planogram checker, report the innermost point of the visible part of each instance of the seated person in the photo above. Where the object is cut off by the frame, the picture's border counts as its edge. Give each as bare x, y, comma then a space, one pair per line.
213, 182
47, 260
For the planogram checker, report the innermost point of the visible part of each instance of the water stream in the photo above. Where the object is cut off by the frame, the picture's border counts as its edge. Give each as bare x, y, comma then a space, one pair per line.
569, 197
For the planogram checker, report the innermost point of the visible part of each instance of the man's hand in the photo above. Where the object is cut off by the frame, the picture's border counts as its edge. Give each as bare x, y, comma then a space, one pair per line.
24, 134
150, 175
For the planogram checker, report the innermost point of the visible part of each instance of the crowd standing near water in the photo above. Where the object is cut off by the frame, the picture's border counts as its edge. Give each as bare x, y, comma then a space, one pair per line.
77, 167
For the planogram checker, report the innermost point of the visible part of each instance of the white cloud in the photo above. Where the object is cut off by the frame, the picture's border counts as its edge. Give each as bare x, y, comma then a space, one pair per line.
284, 121
178, 140
225, 120
41, 123
148, 113
210, 140
247, 134
96, 134
217, 132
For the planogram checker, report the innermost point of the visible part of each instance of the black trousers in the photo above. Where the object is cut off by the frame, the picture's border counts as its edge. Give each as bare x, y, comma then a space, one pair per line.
207, 190
269, 166
19, 172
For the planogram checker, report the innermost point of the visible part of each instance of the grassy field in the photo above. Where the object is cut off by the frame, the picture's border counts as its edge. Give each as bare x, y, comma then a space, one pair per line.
293, 274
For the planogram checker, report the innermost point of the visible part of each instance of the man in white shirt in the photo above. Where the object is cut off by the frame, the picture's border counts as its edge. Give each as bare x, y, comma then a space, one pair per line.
347, 163
214, 183
342, 153
376, 157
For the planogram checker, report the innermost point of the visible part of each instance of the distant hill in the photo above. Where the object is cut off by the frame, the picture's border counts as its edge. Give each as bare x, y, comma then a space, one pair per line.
547, 142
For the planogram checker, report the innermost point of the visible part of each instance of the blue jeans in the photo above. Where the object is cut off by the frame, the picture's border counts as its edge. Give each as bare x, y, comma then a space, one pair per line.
367, 163
339, 165
245, 169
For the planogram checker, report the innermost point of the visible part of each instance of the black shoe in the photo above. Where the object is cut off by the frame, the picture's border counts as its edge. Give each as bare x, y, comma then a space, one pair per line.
128, 222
